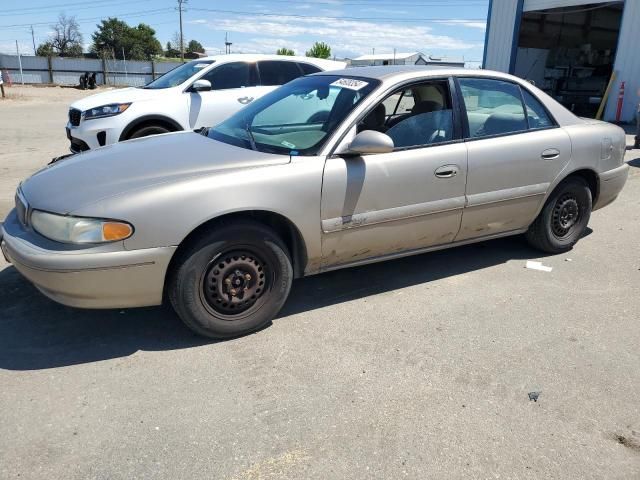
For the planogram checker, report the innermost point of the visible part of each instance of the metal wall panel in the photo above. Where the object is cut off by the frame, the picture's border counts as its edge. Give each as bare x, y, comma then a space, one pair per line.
627, 64
164, 67
67, 71
500, 34
530, 5
79, 65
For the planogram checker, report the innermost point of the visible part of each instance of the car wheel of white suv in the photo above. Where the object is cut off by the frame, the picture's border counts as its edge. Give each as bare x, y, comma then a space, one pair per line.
149, 130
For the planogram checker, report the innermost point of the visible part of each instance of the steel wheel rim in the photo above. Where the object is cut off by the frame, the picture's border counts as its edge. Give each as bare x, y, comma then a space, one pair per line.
235, 283
566, 215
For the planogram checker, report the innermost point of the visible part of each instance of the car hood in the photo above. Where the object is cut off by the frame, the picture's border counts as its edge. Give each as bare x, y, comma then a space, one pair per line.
92, 176
117, 95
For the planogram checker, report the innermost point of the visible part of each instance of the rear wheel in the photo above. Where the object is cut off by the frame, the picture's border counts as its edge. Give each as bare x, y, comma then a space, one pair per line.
231, 280
563, 219
149, 130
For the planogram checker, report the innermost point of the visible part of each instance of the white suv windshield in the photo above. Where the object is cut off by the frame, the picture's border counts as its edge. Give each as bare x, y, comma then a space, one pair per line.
296, 118
179, 74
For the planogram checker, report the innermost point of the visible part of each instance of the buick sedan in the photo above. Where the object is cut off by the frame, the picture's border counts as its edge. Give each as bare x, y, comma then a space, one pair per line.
328, 171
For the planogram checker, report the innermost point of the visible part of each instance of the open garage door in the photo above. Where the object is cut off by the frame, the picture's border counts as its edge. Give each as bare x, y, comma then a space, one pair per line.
569, 52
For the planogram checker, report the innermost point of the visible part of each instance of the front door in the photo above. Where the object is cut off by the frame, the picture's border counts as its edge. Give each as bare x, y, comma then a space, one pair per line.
233, 85
408, 199
513, 156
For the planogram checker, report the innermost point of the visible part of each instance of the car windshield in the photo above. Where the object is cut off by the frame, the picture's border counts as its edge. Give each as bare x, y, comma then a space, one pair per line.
296, 118
179, 74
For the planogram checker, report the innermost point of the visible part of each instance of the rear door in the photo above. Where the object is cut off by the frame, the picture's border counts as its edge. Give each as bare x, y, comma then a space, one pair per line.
515, 151
233, 85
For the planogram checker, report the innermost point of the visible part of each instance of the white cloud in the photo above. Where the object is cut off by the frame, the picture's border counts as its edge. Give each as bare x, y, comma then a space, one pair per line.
464, 23
347, 37
387, 11
199, 21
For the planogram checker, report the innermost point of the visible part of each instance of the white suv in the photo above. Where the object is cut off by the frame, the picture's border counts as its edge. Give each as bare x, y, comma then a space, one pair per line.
200, 93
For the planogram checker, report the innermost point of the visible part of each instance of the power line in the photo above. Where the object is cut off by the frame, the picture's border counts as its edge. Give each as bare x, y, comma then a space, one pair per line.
85, 7
85, 20
342, 17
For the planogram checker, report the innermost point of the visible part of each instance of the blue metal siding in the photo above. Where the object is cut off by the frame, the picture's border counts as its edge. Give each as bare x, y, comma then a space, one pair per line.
500, 35
486, 35
515, 37
627, 65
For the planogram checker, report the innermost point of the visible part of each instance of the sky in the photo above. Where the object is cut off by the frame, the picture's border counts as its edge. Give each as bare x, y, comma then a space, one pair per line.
443, 28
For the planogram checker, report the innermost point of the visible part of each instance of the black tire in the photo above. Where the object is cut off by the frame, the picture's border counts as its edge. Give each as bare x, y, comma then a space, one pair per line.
562, 221
217, 262
148, 131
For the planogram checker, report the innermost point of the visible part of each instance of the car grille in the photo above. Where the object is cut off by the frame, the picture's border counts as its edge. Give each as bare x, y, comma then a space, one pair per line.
74, 116
21, 208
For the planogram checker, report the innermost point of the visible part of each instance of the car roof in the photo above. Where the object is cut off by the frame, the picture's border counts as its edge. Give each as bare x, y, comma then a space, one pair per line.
254, 57
392, 72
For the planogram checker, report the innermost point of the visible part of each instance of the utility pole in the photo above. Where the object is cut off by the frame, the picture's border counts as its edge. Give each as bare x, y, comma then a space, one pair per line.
180, 7
33, 38
227, 43
19, 63
124, 59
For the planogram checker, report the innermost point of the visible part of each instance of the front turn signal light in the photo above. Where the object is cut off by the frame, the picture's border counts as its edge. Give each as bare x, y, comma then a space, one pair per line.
113, 231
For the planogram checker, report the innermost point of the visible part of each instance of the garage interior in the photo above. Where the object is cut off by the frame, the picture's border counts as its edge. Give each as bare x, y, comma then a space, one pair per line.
569, 53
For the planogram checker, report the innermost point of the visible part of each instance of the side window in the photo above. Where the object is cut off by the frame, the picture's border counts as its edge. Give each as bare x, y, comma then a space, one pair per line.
536, 114
494, 107
400, 103
275, 72
412, 120
231, 75
308, 69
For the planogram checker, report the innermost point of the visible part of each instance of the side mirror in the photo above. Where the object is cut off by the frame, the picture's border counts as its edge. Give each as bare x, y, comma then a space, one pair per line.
201, 86
369, 142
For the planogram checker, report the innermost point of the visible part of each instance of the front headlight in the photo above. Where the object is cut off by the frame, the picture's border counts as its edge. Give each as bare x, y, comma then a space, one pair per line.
67, 229
105, 111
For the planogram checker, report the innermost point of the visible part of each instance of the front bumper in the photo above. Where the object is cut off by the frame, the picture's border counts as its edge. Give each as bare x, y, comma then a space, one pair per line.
611, 184
93, 277
94, 133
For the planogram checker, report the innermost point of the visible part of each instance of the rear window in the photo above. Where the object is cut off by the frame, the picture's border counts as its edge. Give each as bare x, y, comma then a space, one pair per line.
493, 107
274, 72
309, 69
231, 75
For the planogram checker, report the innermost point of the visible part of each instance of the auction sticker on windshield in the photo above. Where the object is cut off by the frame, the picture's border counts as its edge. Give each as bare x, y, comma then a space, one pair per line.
350, 83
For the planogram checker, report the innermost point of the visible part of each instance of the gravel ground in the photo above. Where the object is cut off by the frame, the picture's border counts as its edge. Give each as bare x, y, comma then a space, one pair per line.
417, 368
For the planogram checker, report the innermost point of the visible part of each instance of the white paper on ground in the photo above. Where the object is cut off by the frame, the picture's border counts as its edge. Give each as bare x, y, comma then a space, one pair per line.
537, 266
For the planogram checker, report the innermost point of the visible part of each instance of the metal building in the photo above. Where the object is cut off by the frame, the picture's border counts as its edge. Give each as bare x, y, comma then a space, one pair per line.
408, 58
570, 49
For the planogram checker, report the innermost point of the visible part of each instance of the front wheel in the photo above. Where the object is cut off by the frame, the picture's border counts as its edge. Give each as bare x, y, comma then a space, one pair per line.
231, 280
562, 221
148, 131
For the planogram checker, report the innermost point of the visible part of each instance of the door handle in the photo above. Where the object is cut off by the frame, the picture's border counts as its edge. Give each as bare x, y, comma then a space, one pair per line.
446, 171
245, 100
550, 154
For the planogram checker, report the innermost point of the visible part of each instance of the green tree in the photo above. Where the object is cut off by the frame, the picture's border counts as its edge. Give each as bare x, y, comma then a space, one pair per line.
285, 51
113, 36
195, 46
46, 50
319, 50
